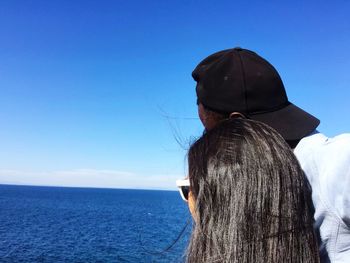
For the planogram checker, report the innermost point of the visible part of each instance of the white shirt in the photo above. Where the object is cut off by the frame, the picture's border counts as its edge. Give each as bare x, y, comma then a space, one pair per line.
326, 163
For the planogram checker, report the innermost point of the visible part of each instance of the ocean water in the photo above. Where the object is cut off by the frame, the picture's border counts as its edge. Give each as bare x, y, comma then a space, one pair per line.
57, 224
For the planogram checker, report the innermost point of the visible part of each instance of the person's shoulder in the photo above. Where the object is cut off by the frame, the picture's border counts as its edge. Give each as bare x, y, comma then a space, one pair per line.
324, 151
340, 139
328, 154
325, 161
339, 145
308, 144
317, 139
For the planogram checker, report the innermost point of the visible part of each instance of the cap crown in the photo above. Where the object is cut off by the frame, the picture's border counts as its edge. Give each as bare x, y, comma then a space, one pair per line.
239, 80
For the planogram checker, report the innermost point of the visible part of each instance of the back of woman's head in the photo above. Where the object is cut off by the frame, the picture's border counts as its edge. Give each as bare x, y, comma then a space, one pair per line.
253, 203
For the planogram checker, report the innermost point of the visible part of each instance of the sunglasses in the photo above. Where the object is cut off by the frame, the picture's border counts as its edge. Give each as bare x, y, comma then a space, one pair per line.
184, 188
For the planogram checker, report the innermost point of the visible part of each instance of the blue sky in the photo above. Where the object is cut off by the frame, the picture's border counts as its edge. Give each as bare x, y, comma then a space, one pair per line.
87, 87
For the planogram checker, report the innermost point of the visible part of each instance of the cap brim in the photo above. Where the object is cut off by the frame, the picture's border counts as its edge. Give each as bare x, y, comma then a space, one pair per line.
291, 122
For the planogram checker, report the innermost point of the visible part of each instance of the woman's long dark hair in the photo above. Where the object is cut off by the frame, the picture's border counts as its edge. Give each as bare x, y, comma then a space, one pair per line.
253, 202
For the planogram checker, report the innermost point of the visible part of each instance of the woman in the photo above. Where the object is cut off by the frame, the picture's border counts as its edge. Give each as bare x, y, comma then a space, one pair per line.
248, 196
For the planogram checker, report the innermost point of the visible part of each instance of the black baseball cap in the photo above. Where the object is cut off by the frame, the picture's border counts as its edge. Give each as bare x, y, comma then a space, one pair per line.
239, 80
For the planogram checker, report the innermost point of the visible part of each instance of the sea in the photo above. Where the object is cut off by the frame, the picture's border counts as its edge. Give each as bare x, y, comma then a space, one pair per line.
60, 224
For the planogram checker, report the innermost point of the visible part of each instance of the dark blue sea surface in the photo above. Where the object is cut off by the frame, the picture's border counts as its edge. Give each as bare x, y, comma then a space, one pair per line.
57, 224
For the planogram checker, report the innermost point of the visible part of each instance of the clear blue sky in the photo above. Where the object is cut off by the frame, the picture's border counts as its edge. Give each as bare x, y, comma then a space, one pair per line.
86, 85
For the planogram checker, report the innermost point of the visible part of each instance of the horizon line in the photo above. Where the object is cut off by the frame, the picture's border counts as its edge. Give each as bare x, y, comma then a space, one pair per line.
87, 187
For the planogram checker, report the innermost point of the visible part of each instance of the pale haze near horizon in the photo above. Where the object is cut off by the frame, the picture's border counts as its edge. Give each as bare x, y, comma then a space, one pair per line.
101, 94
